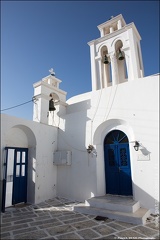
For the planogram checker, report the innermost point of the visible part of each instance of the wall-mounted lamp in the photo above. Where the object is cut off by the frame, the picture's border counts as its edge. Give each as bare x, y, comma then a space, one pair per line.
136, 146
90, 148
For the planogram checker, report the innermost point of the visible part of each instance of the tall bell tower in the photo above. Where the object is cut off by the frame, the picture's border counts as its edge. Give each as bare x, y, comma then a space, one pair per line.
115, 56
49, 100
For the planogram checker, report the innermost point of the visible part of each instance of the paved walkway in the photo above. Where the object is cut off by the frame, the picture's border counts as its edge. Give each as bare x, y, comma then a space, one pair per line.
55, 219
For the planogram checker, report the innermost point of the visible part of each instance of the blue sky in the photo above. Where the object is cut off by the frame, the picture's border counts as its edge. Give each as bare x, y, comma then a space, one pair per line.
39, 35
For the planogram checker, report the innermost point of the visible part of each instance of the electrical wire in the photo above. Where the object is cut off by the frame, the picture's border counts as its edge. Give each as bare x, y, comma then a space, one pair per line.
95, 113
5, 109
112, 101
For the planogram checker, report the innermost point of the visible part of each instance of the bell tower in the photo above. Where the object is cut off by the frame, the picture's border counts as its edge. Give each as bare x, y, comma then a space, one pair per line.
49, 100
115, 56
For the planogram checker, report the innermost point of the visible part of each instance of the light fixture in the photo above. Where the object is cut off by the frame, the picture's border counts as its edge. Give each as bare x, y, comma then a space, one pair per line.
136, 146
90, 148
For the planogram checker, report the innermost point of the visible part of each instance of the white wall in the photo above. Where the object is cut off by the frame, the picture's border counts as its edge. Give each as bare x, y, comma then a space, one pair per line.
131, 107
41, 140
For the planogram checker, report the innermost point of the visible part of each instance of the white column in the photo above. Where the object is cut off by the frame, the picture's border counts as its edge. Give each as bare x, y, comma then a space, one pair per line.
119, 25
102, 32
44, 110
93, 67
128, 63
100, 79
134, 55
114, 69
111, 29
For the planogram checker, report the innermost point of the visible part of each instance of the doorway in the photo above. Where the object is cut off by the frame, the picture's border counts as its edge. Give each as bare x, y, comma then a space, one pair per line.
117, 164
14, 176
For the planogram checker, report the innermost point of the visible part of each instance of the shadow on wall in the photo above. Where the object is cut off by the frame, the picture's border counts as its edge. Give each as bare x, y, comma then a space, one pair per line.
31, 175
78, 107
146, 200
75, 180
75, 126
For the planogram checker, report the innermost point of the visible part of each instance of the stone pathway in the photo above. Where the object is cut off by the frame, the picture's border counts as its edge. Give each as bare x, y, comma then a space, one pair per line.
55, 219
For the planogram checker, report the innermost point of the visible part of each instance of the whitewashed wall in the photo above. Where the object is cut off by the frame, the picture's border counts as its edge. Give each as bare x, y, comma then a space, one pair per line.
41, 140
131, 107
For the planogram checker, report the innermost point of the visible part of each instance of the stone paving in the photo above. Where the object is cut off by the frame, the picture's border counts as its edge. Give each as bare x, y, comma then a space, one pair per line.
55, 219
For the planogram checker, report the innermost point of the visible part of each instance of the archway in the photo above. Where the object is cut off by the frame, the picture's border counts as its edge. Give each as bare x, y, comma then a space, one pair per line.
19, 166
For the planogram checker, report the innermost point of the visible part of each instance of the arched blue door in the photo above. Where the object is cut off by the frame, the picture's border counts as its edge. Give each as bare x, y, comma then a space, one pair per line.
117, 164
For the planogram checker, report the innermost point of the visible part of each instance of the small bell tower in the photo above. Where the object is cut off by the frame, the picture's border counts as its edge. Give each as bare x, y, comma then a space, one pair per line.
115, 56
49, 100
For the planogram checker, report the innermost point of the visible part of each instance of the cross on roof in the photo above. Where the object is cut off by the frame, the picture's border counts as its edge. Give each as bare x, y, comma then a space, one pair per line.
52, 72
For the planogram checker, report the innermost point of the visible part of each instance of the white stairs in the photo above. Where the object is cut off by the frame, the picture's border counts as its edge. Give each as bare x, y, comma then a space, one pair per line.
121, 208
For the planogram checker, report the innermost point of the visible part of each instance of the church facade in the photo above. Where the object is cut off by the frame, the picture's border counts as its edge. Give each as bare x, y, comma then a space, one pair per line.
105, 141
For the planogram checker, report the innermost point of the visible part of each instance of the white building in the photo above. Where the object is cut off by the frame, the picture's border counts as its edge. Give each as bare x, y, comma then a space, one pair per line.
102, 142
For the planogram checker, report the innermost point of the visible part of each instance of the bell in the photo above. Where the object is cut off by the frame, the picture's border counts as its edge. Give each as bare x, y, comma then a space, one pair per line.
105, 60
120, 55
51, 105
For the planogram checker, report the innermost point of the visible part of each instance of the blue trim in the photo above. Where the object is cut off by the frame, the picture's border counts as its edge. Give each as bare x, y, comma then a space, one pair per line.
4, 181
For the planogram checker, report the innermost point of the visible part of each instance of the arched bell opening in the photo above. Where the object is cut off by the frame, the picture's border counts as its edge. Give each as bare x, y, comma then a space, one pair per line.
106, 70
53, 106
54, 99
121, 62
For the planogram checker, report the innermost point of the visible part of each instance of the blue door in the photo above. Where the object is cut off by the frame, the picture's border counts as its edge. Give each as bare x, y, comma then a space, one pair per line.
15, 174
117, 164
20, 176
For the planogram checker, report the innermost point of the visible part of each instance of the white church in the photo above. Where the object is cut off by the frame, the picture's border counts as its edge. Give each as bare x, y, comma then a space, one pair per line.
100, 147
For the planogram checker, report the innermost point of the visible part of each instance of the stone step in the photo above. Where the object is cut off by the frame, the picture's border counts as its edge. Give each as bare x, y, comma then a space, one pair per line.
114, 203
138, 217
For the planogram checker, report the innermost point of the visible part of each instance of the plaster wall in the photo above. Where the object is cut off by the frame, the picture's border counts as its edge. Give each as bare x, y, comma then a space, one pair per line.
131, 107
41, 141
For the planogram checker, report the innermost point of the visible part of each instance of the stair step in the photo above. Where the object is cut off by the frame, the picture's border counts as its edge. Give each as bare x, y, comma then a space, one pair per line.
114, 203
138, 217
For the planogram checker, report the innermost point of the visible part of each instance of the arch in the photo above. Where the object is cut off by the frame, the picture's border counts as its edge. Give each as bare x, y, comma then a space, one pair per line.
29, 134
22, 137
116, 136
109, 125
118, 45
104, 50
98, 139
54, 96
121, 60
119, 38
105, 67
101, 47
